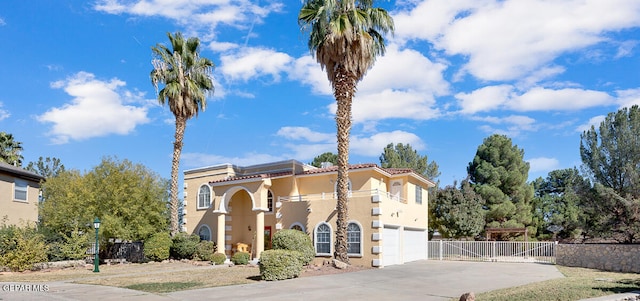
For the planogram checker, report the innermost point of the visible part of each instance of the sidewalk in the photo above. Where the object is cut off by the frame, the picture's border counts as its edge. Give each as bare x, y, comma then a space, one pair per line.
422, 280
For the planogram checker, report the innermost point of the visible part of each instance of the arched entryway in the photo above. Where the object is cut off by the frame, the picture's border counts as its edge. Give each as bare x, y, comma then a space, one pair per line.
239, 221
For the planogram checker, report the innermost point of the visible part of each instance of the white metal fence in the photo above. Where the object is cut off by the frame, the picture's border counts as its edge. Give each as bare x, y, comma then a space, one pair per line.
497, 251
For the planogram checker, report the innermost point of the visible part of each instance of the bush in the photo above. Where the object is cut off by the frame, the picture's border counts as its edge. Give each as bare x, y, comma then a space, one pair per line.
240, 258
218, 258
205, 250
295, 240
21, 248
184, 245
280, 264
157, 246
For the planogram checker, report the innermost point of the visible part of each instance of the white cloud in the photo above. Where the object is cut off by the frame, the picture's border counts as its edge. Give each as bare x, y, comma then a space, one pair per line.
222, 46
4, 114
374, 145
306, 70
594, 121
504, 97
304, 133
196, 160
541, 99
254, 62
2, 22
512, 125
201, 14
97, 109
543, 164
506, 40
628, 98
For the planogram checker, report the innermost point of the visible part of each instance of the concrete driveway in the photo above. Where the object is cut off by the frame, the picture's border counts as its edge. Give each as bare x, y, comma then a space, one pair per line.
422, 280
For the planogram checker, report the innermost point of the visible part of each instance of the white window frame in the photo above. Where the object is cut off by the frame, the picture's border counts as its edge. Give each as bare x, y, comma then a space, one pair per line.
270, 199
204, 226
419, 194
207, 202
20, 185
298, 224
359, 254
315, 239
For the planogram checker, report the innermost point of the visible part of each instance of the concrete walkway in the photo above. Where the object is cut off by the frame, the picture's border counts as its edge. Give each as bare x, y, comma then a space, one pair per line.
422, 280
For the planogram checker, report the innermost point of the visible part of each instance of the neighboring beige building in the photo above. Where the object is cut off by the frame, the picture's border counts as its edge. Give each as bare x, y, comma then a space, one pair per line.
388, 213
19, 195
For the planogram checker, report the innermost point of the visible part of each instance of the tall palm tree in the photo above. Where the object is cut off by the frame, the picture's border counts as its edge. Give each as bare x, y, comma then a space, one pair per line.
10, 150
346, 37
187, 82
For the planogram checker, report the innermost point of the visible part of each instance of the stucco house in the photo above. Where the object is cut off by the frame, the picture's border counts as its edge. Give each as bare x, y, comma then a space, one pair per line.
19, 195
236, 206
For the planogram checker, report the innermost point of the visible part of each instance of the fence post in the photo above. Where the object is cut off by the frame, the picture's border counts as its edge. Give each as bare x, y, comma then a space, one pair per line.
440, 249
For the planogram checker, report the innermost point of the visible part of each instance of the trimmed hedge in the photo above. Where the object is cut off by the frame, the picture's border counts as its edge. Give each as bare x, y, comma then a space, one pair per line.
218, 258
184, 245
205, 250
240, 258
295, 240
157, 246
280, 264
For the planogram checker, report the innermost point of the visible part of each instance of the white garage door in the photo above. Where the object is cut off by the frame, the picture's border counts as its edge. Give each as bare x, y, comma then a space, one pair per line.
390, 246
415, 245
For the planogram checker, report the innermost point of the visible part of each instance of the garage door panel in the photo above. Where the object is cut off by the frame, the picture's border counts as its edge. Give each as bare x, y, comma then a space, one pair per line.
391, 246
414, 245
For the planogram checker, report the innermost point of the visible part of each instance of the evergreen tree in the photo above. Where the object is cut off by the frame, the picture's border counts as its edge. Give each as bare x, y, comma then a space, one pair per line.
325, 157
404, 156
458, 212
499, 174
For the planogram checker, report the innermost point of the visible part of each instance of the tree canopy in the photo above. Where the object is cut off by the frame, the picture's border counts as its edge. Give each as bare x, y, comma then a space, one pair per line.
49, 167
325, 157
129, 199
499, 174
404, 156
10, 150
458, 212
611, 156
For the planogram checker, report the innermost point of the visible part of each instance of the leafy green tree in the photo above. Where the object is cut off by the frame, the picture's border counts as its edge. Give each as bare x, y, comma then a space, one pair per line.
46, 167
345, 36
499, 174
10, 150
404, 156
325, 157
187, 81
458, 212
129, 199
556, 203
611, 157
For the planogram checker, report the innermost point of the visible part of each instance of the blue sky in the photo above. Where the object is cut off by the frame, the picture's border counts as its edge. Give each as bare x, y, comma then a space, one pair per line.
75, 81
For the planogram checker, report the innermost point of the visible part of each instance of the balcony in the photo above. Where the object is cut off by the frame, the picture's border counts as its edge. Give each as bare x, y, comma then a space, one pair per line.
356, 194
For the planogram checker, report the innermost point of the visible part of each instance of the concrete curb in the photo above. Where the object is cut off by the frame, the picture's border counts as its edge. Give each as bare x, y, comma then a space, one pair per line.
634, 295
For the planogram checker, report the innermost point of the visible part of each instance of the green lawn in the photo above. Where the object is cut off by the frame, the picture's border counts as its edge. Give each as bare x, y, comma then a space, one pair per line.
579, 283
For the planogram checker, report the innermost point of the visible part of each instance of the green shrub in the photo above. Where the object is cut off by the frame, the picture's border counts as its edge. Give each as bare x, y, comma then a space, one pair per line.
280, 264
240, 258
295, 240
75, 246
205, 250
218, 258
20, 248
184, 245
157, 246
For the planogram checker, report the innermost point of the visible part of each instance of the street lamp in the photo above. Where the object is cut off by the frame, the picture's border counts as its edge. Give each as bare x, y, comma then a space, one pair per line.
96, 259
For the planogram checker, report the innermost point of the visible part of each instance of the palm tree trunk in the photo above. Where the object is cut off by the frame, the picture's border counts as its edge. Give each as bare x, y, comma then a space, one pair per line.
344, 87
181, 124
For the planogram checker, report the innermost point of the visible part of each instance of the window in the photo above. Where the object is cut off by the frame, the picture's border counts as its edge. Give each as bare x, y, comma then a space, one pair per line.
335, 188
418, 194
204, 232
20, 190
323, 239
297, 226
204, 197
270, 200
354, 239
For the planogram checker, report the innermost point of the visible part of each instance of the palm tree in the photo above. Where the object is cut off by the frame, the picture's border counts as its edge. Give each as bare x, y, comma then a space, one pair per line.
10, 150
187, 81
345, 37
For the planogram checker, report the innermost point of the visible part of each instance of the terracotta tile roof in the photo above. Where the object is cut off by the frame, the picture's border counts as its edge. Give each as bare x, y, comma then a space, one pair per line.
335, 168
254, 176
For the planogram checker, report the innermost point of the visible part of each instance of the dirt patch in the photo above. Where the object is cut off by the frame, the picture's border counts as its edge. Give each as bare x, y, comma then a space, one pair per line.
328, 269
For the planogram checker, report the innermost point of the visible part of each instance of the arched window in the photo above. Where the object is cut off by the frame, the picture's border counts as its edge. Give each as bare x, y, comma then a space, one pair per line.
204, 232
322, 238
270, 200
297, 226
354, 239
204, 197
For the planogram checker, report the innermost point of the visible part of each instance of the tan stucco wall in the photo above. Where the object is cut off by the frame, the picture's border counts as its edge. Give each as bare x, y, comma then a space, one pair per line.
250, 195
13, 212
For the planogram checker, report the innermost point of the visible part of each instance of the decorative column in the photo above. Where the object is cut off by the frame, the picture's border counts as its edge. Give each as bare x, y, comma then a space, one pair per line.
259, 247
220, 234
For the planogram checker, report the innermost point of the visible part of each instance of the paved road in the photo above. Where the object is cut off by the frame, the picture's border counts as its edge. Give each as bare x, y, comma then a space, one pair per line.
422, 280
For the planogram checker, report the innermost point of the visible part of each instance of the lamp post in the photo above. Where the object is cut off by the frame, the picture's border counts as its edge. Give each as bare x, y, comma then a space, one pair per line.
96, 259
